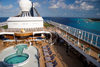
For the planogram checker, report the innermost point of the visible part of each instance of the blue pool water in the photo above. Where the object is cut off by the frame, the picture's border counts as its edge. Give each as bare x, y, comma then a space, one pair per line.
15, 59
20, 48
18, 57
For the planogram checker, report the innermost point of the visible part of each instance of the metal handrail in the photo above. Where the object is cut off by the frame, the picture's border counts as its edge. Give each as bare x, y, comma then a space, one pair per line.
88, 37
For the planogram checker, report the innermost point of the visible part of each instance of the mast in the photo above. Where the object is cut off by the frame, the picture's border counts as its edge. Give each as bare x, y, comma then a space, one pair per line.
32, 11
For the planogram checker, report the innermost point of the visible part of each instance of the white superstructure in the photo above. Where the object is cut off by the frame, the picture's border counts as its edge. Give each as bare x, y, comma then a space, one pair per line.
25, 22
26, 19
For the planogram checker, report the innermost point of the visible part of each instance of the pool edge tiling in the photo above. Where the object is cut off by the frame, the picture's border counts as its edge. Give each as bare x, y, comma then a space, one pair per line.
31, 51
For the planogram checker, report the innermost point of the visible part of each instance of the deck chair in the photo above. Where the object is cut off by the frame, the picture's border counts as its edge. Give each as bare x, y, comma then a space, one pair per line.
98, 55
49, 58
44, 47
47, 53
51, 64
54, 63
46, 50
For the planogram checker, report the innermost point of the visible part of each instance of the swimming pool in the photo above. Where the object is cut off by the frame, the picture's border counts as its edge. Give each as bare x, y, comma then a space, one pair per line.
31, 61
18, 57
15, 59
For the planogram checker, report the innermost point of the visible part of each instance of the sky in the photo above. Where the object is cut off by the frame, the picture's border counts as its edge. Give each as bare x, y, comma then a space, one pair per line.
55, 8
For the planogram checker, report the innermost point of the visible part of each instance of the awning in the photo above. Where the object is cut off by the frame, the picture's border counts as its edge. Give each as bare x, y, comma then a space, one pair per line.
23, 34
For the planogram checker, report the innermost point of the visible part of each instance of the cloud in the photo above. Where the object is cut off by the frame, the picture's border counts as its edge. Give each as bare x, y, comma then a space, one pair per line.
86, 6
6, 7
71, 6
57, 4
8, 11
98, 14
91, 0
80, 5
53, 1
78, 1
54, 6
36, 4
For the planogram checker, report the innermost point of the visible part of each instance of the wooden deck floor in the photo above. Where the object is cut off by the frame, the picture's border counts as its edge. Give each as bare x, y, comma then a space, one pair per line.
67, 60
63, 60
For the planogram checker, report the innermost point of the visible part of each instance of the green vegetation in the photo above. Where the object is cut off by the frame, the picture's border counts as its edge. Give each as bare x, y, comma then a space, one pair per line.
95, 19
5, 27
47, 25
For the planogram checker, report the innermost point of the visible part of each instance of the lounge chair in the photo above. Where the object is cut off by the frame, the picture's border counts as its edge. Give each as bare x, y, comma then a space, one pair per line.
44, 47
82, 45
50, 52
99, 56
52, 57
47, 53
54, 63
45, 50
51, 64
49, 58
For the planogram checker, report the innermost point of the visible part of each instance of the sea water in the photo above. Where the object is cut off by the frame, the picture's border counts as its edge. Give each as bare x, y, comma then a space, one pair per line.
80, 23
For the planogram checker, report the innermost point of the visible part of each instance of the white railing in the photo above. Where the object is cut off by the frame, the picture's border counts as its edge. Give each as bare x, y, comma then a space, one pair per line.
88, 37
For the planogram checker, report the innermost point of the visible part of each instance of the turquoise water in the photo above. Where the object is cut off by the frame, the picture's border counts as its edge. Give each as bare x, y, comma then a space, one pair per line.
18, 57
82, 24
79, 23
20, 48
15, 59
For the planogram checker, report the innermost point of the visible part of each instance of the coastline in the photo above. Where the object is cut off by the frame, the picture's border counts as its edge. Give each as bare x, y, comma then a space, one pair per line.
94, 20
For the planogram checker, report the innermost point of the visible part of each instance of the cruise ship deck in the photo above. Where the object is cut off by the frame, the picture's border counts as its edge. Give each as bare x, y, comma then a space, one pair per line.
26, 40
64, 47
58, 53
